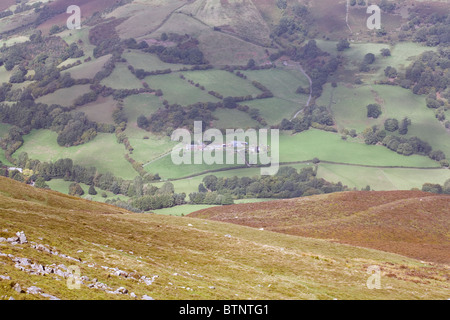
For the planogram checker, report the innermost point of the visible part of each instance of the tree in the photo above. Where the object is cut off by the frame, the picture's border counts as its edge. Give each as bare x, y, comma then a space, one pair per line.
391, 125
373, 111
41, 184
251, 64
446, 188
75, 189
343, 44
92, 190
390, 72
432, 188
403, 128
369, 58
229, 102
142, 122
385, 52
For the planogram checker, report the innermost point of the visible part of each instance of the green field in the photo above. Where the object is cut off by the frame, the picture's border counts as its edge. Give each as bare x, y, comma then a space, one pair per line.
100, 110
282, 81
223, 82
349, 110
122, 78
274, 110
87, 70
103, 152
63, 187
233, 119
65, 97
178, 91
148, 62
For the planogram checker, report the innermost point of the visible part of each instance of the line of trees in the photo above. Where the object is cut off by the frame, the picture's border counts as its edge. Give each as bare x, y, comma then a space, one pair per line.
287, 183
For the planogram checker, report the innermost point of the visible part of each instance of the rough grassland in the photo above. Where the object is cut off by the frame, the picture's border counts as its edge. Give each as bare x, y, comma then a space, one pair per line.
239, 262
410, 223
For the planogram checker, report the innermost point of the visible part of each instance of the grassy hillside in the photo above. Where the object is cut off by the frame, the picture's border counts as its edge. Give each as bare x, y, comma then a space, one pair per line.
411, 223
184, 258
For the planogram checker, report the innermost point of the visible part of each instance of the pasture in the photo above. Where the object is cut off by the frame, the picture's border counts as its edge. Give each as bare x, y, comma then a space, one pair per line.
103, 152
66, 96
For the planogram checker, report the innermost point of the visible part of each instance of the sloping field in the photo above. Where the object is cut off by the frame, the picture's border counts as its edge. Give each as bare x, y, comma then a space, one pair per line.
184, 258
88, 7
410, 223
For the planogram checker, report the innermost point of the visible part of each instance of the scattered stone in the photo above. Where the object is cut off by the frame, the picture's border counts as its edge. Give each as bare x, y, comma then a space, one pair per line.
211, 287
228, 235
79, 251
13, 240
22, 238
146, 297
122, 290
148, 281
5, 277
46, 295
2, 239
133, 295
18, 288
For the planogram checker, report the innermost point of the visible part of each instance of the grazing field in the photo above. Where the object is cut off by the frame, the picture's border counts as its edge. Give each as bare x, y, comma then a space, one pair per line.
305, 146
329, 146
177, 90
233, 119
274, 110
148, 62
223, 82
65, 97
62, 186
4, 75
394, 221
100, 110
88, 70
122, 78
142, 19
381, 178
4, 129
81, 38
349, 110
103, 152
140, 104
182, 210
282, 82
237, 261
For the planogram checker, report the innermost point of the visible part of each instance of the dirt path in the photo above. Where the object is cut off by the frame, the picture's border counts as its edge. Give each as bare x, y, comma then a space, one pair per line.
310, 89
347, 15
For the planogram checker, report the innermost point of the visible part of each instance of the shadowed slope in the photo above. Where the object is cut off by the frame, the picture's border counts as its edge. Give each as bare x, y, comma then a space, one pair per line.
411, 223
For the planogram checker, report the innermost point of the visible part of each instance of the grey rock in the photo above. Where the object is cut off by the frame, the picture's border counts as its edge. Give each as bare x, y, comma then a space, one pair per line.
22, 237
34, 290
2, 239
5, 277
18, 288
12, 239
122, 290
146, 297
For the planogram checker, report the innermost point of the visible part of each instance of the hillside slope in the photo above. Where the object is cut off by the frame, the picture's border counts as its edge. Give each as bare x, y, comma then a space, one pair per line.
411, 223
137, 256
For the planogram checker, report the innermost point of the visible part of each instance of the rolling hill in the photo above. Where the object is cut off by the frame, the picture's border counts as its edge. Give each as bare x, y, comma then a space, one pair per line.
411, 223
121, 255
